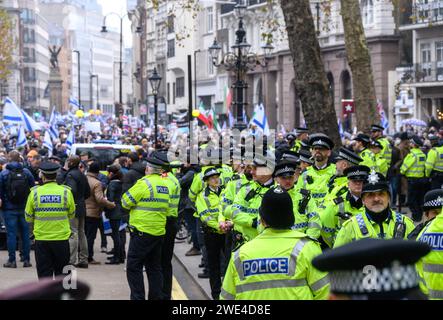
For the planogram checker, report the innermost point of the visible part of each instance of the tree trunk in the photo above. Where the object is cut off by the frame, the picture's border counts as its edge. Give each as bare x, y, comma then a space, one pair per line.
310, 77
359, 60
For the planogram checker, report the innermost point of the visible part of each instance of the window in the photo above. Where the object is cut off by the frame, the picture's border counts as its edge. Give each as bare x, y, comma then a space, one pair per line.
28, 55
171, 48
209, 20
439, 59
210, 65
28, 36
367, 8
180, 87
29, 74
169, 92
170, 24
425, 50
173, 93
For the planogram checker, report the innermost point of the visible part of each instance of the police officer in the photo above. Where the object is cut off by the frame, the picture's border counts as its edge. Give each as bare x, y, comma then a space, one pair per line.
247, 202
316, 177
214, 226
377, 135
430, 267
413, 168
302, 135
373, 269
381, 163
277, 263
434, 166
306, 217
431, 208
345, 206
149, 201
361, 143
338, 183
305, 160
378, 220
171, 223
49, 208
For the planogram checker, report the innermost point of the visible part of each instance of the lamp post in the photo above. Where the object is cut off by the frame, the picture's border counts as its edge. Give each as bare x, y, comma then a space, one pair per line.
78, 79
96, 77
155, 81
239, 60
119, 110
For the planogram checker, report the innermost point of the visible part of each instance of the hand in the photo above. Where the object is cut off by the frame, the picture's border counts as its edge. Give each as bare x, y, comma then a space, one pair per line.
113, 205
228, 225
1, 203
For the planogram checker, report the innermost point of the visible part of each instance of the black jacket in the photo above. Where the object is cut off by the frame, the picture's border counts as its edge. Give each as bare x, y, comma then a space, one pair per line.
79, 185
185, 184
136, 171
114, 194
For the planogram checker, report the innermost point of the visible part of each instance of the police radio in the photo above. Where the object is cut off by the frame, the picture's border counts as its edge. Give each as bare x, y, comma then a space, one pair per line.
306, 196
399, 230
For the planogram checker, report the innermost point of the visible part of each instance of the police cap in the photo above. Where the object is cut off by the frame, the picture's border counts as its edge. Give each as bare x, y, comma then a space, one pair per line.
305, 156
290, 136
417, 141
283, 218
433, 199
375, 144
301, 130
357, 173
375, 182
394, 262
155, 163
376, 127
290, 156
362, 138
321, 140
47, 167
348, 155
210, 172
285, 169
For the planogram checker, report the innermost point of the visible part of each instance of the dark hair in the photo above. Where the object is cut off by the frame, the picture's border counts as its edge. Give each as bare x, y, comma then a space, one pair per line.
133, 156
73, 161
50, 176
14, 156
123, 161
94, 167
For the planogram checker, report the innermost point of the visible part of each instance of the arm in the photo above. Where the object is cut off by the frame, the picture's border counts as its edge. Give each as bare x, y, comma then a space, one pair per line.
430, 162
317, 280
30, 206
345, 235
196, 188
71, 205
100, 197
71, 183
407, 163
228, 291
328, 224
30, 177
131, 197
314, 222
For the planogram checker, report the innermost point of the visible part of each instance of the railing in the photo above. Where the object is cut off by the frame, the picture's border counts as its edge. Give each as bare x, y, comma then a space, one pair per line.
426, 72
427, 12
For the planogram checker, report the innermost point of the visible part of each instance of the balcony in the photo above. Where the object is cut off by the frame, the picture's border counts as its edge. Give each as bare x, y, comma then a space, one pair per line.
425, 73
425, 15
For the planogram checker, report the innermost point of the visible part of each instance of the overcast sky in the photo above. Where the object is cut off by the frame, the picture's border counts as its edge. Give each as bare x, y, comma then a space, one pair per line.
117, 6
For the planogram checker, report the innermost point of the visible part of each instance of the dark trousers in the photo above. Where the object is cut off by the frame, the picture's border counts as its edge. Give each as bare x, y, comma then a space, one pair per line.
104, 241
416, 193
119, 251
437, 181
394, 185
91, 227
201, 242
51, 257
215, 247
16, 224
145, 251
191, 222
167, 253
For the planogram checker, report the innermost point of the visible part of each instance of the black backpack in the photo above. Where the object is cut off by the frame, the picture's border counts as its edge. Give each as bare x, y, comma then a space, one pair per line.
18, 187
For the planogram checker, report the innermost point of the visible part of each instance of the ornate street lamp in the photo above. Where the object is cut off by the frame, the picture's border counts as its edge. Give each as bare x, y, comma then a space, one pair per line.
155, 80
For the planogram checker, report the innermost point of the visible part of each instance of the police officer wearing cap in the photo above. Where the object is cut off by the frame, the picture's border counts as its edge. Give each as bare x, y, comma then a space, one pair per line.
345, 206
209, 210
306, 217
148, 202
247, 201
413, 168
277, 263
430, 268
338, 183
432, 206
373, 269
377, 135
305, 160
171, 227
381, 164
302, 135
316, 177
434, 165
49, 208
378, 219
361, 144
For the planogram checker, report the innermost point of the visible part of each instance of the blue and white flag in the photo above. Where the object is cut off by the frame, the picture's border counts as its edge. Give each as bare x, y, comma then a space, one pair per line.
231, 119
71, 140
21, 139
259, 119
74, 103
53, 130
384, 122
14, 115
340, 128
30, 124
245, 118
47, 143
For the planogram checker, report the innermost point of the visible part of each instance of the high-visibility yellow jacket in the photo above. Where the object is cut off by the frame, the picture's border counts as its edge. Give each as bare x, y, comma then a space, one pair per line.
50, 207
381, 163
275, 265
337, 186
307, 222
316, 181
369, 159
245, 208
336, 212
414, 164
434, 161
209, 209
386, 151
149, 201
297, 146
430, 267
229, 192
360, 226
174, 189
197, 183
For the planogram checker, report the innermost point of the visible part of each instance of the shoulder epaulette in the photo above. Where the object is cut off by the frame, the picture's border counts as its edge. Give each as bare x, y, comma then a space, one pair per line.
34, 188
338, 200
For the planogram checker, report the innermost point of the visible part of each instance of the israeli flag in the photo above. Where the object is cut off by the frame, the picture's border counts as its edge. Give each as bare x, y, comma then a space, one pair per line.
47, 143
231, 118
14, 115
245, 118
53, 130
21, 140
74, 103
260, 120
71, 140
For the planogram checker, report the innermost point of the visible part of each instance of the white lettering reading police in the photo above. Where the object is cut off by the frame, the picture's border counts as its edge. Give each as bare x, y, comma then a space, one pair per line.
163, 190
51, 199
435, 240
265, 266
